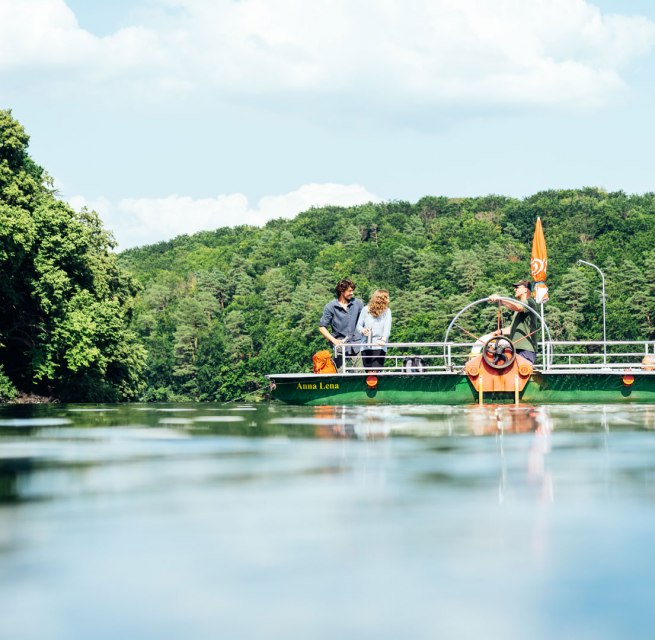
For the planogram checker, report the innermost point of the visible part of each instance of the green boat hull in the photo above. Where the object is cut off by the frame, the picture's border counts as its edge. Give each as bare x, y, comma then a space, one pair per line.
456, 389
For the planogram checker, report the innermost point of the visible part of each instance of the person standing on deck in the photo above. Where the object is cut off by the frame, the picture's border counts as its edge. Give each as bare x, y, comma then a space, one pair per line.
522, 331
341, 314
375, 323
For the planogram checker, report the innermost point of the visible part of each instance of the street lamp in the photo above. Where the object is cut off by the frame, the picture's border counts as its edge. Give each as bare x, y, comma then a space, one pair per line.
602, 295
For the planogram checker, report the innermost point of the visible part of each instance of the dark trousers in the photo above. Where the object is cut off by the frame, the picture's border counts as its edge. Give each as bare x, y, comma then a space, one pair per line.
373, 359
352, 360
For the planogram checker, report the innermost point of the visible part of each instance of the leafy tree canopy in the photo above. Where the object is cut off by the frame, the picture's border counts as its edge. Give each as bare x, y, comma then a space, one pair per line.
64, 324
257, 293
204, 317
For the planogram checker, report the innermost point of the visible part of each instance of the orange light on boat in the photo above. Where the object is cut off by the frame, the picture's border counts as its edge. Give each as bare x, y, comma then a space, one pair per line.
628, 380
371, 382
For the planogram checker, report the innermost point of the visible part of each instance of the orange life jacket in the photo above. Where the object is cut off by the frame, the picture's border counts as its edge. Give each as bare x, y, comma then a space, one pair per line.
323, 362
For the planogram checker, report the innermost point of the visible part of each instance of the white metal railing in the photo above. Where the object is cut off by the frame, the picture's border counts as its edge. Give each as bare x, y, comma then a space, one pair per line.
431, 353
553, 355
596, 354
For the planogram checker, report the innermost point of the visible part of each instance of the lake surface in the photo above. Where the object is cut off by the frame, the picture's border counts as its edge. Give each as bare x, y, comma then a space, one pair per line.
264, 521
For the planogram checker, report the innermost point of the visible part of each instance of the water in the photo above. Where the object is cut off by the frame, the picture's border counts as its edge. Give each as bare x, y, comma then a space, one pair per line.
239, 521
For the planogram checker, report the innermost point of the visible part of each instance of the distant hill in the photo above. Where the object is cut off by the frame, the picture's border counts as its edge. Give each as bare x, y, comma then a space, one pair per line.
206, 316
220, 309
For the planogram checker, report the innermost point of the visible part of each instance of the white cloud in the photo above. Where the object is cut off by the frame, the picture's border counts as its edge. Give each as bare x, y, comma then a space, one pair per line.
45, 36
139, 221
385, 53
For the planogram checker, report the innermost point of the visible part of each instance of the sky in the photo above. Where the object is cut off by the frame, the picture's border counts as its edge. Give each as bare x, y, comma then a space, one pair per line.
174, 116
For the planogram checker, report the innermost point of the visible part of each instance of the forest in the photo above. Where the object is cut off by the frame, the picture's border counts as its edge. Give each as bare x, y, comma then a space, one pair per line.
67, 305
205, 317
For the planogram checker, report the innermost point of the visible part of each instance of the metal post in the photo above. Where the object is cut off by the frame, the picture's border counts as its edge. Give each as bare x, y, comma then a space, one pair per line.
602, 278
543, 339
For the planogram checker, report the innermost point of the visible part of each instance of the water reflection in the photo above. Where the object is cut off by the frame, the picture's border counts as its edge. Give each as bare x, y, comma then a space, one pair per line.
343, 422
38, 438
415, 521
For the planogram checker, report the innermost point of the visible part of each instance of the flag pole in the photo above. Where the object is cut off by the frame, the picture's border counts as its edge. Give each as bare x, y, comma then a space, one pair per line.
543, 338
538, 268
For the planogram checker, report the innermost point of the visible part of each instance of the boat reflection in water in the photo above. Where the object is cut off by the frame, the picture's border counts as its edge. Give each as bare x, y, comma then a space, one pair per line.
367, 423
501, 422
371, 422
385, 521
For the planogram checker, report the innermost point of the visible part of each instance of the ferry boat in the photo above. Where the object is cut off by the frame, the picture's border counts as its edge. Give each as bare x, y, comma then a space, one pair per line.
484, 370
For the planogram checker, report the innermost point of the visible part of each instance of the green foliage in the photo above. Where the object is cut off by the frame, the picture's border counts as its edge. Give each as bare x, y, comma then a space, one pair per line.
64, 325
264, 289
7, 390
217, 310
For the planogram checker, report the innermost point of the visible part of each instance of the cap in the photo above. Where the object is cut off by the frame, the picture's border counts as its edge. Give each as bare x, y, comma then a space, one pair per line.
526, 283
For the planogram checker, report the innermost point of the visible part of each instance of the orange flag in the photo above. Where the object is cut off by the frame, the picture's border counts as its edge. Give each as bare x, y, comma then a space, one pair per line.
539, 264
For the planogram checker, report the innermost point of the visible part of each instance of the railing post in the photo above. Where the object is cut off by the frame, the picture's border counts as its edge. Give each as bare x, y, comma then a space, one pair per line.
602, 295
543, 336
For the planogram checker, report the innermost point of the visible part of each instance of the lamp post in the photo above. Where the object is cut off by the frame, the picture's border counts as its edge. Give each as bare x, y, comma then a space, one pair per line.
602, 295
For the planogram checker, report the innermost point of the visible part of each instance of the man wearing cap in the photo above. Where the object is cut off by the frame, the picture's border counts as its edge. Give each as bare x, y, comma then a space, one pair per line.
522, 331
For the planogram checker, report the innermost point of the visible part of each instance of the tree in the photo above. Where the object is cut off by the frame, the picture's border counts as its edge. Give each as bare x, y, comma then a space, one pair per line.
64, 327
566, 317
435, 257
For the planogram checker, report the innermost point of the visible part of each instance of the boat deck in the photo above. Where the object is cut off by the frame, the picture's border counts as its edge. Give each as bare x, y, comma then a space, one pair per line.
565, 372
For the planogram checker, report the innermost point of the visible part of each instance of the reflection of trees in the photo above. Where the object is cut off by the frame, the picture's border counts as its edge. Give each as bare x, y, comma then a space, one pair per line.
8, 490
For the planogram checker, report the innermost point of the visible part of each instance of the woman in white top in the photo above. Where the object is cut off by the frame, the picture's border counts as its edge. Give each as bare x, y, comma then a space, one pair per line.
375, 325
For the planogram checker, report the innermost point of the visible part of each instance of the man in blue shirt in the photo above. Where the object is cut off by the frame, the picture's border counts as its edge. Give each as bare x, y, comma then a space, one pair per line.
341, 314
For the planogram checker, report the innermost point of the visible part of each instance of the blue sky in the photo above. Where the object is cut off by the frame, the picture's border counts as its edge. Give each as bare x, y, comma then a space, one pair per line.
171, 116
